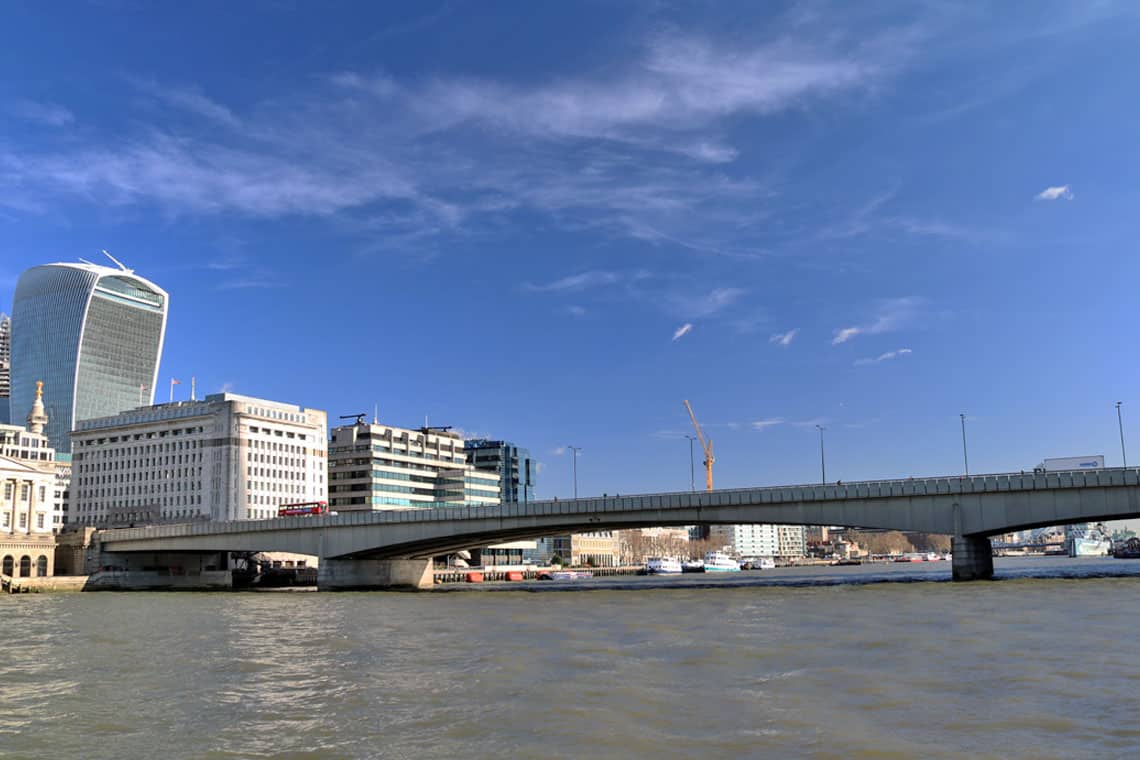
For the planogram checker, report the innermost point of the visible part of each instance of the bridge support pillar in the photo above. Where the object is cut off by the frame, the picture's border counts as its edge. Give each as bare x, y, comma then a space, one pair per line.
973, 558
374, 574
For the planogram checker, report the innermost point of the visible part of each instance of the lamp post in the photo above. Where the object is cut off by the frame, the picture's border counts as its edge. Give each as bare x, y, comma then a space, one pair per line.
692, 480
574, 452
965, 458
822, 461
1120, 423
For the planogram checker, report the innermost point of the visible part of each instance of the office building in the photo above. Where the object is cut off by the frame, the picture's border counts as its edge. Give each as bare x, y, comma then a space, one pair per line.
93, 335
375, 467
5, 367
777, 541
511, 464
228, 457
29, 507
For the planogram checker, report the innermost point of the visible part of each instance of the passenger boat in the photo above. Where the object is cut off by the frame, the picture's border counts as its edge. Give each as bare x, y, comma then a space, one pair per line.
692, 566
565, 575
719, 562
1087, 541
663, 566
764, 563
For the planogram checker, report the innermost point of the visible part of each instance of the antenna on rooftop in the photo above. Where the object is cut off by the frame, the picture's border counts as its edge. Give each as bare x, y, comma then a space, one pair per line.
91, 263
121, 265
375, 413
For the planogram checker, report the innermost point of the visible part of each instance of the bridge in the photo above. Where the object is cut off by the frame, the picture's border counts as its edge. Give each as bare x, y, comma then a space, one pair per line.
369, 549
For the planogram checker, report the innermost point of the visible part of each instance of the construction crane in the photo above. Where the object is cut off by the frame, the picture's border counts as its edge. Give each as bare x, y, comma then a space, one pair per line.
706, 446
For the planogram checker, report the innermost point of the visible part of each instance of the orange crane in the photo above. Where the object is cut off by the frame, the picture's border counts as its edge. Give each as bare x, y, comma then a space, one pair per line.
706, 446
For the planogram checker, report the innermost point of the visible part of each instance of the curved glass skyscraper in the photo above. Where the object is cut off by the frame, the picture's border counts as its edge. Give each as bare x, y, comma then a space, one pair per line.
93, 334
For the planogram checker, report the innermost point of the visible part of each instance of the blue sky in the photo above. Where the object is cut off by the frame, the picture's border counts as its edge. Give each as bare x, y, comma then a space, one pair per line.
554, 222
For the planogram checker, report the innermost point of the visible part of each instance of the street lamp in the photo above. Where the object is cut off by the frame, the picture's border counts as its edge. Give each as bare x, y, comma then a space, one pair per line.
692, 481
574, 451
965, 459
822, 462
1120, 422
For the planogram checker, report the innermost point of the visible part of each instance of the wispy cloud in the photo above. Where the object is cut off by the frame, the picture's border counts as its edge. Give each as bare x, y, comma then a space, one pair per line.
40, 113
576, 311
580, 281
250, 282
638, 148
702, 305
883, 357
893, 314
785, 338
682, 331
767, 423
558, 451
1055, 193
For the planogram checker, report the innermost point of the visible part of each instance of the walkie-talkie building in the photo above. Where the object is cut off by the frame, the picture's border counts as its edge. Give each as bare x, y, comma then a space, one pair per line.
93, 334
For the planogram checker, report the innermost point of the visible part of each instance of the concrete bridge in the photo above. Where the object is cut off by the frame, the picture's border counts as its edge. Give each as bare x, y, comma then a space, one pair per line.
394, 548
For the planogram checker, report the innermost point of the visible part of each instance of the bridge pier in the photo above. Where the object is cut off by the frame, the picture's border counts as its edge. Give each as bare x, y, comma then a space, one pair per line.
374, 574
973, 558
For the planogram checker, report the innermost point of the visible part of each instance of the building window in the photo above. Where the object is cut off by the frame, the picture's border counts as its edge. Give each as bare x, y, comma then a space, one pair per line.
25, 492
23, 520
41, 566
40, 520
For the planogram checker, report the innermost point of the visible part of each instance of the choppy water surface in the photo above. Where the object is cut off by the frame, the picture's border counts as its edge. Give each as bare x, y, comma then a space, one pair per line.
786, 663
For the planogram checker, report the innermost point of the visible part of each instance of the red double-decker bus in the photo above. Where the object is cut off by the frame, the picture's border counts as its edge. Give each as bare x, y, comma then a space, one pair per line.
303, 508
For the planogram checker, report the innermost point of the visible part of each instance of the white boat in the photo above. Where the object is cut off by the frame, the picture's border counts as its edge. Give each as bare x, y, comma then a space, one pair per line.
765, 563
566, 575
663, 566
719, 562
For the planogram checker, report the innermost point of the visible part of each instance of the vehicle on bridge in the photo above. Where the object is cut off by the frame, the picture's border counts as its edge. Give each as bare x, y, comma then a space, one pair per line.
303, 508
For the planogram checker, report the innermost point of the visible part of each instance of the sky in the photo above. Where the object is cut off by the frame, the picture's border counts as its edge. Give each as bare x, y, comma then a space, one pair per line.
552, 223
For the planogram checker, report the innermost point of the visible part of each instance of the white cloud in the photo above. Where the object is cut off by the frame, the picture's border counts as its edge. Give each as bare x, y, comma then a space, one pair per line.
1054, 193
579, 281
884, 357
704, 304
765, 424
784, 339
894, 314
559, 451
635, 148
682, 331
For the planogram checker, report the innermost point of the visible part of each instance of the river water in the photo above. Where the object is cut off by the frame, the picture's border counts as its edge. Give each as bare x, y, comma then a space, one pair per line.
826, 662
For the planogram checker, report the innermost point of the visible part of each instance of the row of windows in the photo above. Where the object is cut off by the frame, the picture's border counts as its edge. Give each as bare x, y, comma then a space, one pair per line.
22, 520
141, 437
25, 492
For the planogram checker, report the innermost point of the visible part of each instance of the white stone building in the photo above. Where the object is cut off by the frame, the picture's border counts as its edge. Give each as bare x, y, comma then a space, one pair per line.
228, 457
28, 503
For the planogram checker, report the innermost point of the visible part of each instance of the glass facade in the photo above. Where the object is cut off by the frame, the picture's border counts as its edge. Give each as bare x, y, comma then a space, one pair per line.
510, 463
93, 335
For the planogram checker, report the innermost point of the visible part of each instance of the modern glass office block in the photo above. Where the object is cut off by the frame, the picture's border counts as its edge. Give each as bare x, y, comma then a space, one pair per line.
93, 334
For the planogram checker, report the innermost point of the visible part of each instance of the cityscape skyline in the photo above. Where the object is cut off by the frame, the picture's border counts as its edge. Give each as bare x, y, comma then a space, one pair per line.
627, 227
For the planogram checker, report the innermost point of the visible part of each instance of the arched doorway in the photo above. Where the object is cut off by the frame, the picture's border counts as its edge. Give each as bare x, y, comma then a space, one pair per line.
9, 563
41, 566
25, 566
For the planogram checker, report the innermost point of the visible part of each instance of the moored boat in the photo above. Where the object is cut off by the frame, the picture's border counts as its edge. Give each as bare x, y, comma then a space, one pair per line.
719, 562
663, 566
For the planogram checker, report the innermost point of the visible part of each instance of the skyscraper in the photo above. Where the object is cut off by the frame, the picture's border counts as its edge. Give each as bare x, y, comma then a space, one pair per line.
512, 464
5, 366
93, 335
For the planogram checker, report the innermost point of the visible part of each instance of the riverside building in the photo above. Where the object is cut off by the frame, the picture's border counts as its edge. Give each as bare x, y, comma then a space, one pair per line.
93, 334
228, 457
378, 467
29, 507
511, 464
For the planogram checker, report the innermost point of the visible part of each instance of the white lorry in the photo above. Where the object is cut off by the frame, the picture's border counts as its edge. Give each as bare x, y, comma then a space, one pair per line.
1063, 464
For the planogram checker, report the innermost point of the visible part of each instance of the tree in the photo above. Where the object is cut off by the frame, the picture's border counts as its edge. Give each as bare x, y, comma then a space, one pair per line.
882, 542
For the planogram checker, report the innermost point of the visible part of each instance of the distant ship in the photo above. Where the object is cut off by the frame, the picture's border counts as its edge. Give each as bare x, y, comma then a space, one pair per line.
719, 562
1087, 541
1129, 549
663, 566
